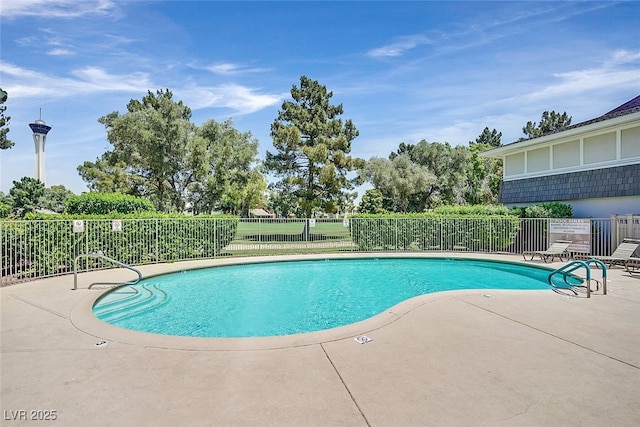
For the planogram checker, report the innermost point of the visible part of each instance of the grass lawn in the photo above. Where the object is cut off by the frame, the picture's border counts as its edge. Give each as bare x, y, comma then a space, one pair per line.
278, 231
274, 250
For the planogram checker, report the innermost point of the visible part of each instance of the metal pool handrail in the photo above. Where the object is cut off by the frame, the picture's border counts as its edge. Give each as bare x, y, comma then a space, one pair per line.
104, 257
572, 266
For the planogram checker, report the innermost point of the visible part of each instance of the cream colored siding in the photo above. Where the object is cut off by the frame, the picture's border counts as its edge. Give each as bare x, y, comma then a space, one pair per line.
538, 160
566, 155
630, 142
514, 164
596, 161
600, 148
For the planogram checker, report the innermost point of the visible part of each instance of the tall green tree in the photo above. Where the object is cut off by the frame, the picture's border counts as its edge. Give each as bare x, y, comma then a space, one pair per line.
419, 177
282, 201
5, 142
549, 122
231, 177
55, 197
403, 149
153, 141
400, 181
482, 177
26, 195
312, 149
110, 175
6, 203
481, 184
159, 154
491, 138
447, 164
372, 202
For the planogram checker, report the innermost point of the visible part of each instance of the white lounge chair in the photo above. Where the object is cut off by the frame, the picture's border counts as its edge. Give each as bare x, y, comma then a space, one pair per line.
557, 249
622, 254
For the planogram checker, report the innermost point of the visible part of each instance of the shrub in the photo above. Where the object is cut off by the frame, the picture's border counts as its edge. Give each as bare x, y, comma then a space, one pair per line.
537, 211
49, 245
102, 204
474, 228
472, 210
5, 210
544, 210
558, 210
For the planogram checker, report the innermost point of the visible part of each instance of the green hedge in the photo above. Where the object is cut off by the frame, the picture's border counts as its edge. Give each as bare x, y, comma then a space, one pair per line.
103, 204
443, 229
544, 210
44, 246
5, 210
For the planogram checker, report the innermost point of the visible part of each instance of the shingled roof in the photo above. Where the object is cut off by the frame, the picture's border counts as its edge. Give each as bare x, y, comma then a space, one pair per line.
628, 107
634, 103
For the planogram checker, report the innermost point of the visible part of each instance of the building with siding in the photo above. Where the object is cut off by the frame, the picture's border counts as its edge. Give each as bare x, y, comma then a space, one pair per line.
594, 166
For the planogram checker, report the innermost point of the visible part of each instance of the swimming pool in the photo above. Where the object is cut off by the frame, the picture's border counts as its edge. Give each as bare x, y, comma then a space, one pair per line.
285, 298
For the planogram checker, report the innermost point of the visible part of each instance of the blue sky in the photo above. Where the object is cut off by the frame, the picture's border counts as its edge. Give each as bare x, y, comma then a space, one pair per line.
404, 71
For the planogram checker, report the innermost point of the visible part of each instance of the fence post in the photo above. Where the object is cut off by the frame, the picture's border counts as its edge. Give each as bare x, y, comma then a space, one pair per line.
215, 238
631, 226
85, 235
397, 234
490, 235
614, 231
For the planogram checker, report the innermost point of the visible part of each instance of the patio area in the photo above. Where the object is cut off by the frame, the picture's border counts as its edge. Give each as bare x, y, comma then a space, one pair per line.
476, 357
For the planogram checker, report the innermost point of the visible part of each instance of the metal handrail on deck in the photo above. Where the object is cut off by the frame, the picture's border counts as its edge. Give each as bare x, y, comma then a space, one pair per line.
104, 257
572, 266
604, 273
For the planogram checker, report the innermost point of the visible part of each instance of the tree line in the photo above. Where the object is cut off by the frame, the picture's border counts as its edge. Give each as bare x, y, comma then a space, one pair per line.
157, 153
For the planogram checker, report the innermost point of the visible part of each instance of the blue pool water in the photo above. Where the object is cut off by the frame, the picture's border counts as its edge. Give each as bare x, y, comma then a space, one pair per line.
285, 298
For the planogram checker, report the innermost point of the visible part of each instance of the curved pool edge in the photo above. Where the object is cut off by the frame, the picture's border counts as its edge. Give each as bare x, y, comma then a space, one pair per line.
82, 317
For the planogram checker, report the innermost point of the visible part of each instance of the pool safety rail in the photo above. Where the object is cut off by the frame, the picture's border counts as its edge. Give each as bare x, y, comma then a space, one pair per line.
563, 280
106, 258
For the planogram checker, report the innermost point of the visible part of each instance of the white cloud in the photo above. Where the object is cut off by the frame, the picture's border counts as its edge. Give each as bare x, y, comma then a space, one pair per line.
55, 8
60, 52
242, 99
24, 83
227, 68
399, 47
584, 93
613, 73
223, 68
622, 56
97, 78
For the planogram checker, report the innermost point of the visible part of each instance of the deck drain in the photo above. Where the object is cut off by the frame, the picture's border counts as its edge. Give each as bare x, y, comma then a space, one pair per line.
102, 344
363, 339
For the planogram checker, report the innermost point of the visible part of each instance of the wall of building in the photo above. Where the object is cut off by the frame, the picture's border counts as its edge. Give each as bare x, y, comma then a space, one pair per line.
604, 183
595, 150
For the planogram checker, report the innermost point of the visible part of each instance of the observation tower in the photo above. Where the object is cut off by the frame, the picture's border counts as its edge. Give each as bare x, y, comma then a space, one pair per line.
40, 130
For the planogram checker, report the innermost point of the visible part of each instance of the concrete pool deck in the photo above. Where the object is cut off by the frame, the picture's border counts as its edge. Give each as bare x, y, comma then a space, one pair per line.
476, 357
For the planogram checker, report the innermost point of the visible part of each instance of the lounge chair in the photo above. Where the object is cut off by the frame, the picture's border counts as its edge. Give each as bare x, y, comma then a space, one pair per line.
557, 249
622, 254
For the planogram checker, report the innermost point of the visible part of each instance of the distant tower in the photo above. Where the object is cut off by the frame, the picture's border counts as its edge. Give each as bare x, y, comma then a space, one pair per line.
40, 130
